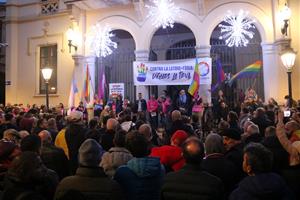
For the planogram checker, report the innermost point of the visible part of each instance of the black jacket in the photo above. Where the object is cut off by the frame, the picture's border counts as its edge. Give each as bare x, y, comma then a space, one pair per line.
92, 183
235, 155
136, 105
54, 158
265, 186
280, 155
75, 136
191, 183
222, 168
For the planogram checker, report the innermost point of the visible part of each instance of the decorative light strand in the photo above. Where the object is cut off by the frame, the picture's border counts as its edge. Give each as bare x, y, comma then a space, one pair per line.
99, 40
163, 13
236, 29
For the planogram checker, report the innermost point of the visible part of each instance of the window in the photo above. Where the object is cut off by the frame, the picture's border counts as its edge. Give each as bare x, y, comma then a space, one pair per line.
49, 6
48, 58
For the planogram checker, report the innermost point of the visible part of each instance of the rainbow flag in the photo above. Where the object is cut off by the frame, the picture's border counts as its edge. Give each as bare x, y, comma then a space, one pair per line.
196, 80
220, 75
86, 86
250, 71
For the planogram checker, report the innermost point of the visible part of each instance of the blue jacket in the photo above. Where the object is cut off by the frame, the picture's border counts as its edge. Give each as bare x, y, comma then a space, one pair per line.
141, 178
265, 186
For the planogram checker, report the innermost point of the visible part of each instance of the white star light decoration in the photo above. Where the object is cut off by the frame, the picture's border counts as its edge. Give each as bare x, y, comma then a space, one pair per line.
100, 42
236, 30
163, 13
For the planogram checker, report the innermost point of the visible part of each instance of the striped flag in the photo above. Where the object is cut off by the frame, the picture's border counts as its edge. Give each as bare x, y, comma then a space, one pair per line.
193, 88
251, 71
220, 75
73, 91
101, 84
86, 92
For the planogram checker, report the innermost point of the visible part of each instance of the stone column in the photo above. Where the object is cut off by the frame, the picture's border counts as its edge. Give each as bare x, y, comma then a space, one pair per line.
204, 89
142, 55
11, 52
78, 75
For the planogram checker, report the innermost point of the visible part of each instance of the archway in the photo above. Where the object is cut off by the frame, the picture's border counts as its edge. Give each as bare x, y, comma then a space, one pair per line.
118, 65
233, 60
171, 44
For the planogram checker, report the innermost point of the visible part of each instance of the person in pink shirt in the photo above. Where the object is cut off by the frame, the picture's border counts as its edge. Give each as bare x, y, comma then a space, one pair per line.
152, 108
197, 108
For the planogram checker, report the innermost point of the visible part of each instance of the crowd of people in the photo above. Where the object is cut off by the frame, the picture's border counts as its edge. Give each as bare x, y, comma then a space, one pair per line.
151, 149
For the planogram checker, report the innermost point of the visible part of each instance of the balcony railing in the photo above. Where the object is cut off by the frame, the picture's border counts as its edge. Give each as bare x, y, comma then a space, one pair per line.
49, 6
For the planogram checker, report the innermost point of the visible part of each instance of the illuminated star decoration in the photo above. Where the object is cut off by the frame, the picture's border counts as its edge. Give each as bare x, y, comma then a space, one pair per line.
237, 29
100, 42
163, 13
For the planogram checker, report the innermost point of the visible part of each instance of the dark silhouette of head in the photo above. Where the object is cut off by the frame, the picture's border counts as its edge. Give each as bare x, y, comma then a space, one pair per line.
193, 151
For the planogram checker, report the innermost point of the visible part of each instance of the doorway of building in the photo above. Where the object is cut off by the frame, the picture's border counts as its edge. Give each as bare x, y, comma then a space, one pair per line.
172, 44
118, 66
233, 60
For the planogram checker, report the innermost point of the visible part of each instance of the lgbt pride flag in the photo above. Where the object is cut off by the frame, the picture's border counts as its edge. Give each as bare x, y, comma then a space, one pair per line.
250, 71
193, 88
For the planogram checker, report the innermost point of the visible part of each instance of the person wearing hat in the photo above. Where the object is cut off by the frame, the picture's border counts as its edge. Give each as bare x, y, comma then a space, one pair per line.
70, 138
90, 179
171, 155
234, 148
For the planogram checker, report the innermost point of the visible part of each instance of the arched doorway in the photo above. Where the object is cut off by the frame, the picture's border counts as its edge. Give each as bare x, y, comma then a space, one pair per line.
171, 44
118, 65
233, 60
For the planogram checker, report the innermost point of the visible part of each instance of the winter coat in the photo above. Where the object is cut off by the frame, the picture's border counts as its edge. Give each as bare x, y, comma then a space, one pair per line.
222, 168
74, 136
60, 141
141, 178
54, 158
43, 184
92, 183
265, 186
114, 158
280, 155
191, 183
235, 155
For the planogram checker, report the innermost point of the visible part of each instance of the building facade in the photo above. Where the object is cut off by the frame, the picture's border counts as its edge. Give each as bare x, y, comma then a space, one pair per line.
36, 37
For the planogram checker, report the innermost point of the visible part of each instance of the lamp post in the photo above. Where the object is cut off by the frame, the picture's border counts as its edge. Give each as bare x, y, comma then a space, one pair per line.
288, 57
47, 72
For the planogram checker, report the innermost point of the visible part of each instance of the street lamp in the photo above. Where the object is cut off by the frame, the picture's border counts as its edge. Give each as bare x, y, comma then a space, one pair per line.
288, 57
47, 72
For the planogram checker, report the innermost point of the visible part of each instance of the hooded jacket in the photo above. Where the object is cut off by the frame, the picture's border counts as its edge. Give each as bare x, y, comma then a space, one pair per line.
265, 186
141, 178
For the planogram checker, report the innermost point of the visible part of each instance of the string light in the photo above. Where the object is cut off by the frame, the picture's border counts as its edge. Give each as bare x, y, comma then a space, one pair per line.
163, 13
236, 29
99, 40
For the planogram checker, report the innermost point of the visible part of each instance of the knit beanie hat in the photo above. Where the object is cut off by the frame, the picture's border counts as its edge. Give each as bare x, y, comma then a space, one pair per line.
232, 133
179, 137
90, 153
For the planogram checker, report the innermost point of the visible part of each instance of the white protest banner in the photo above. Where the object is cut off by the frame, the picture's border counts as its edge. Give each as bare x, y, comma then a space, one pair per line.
172, 72
116, 89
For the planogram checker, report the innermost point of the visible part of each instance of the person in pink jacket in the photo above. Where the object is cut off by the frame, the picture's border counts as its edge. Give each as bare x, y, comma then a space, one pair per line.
152, 108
